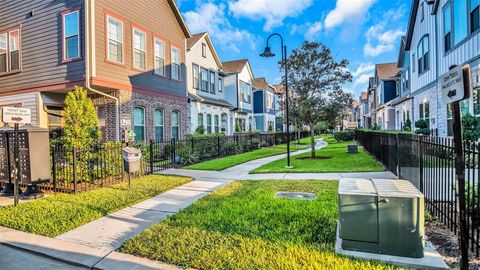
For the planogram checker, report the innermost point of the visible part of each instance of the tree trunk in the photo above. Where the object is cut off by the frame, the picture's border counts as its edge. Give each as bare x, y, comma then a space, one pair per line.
312, 139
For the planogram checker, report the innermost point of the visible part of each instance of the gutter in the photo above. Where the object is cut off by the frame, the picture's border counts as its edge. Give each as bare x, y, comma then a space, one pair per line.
87, 71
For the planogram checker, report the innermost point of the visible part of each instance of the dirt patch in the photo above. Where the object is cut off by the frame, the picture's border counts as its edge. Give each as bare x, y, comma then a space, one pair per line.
447, 245
315, 158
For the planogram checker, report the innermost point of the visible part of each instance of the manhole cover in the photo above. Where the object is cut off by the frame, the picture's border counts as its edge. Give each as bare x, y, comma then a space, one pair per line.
296, 195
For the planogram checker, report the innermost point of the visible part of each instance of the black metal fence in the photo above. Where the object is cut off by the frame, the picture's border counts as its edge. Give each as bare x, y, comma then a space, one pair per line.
78, 170
429, 163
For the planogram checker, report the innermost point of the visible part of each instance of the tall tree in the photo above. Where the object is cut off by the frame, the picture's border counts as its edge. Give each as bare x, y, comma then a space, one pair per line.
314, 75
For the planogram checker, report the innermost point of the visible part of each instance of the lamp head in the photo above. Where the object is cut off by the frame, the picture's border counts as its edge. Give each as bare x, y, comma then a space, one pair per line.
267, 52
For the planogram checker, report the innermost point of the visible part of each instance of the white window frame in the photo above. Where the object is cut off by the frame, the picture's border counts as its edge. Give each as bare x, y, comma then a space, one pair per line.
156, 42
135, 29
195, 76
119, 41
177, 125
220, 84
7, 34
173, 62
162, 124
212, 82
64, 37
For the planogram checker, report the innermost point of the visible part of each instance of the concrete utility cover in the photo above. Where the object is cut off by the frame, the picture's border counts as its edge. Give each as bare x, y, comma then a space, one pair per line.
296, 195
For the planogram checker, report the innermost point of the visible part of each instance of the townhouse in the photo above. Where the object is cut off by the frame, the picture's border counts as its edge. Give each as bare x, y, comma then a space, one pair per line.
264, 105
130, 57
363, 110
239, 93
280, 122
386, 77
209, 109
402, 103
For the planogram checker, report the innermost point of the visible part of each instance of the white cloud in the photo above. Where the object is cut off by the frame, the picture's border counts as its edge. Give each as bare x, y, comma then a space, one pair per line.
361, 76
380, 41
347, 11
313, 30
363, 68
274, 12
211, 18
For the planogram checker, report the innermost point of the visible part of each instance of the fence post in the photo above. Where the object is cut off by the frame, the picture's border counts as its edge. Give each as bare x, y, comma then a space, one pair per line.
74, 152
151, 156
192, 144
420, 159
397, 150
251, 141
218, 146
172, 153
54, 169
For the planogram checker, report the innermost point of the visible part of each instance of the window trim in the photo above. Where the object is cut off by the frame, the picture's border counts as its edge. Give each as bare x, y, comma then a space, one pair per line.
213, 85
7, 31
107, 54
220, 84
178, 124
470, 10
449, 4
204, 50
173, 47
207, 90
155, 38
197, 87
155, 124
421, 42
140, 29
64, 52
144, 122
422, 10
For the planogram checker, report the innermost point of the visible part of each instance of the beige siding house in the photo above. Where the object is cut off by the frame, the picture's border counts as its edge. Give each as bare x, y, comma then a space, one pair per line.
209, 110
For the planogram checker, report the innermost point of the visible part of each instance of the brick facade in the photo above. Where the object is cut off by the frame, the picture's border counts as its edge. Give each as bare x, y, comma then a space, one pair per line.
128, 100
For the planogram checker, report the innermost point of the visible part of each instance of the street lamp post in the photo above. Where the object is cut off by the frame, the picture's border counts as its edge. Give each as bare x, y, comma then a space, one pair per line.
268, 53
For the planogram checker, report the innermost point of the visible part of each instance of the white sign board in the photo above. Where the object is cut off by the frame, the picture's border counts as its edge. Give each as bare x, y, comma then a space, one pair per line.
125, 120
452, 86
13, 115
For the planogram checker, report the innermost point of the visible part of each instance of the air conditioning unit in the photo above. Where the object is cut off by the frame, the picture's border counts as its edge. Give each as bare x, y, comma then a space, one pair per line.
381, 216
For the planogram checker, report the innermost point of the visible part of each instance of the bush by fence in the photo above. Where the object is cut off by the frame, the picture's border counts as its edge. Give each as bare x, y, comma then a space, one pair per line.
343, 136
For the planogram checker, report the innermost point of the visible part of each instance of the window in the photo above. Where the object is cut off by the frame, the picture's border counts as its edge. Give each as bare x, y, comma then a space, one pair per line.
175, 123
216, 123
447, 27
139, 49
209, 123
474, 15
240, 125
139, 124
159, 124
71, 35
55, 121
159, 57
424, 110
212, 82
204, 79
175, 64
195, 77
414, 60
245, 92
10, 51
422, 10
204, 50
423, 55
200, 122
269, 101
220, 85
115, 40
460, 22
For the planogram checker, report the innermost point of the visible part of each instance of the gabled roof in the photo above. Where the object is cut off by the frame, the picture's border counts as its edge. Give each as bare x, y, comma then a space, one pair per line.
278, 88
401, 52
236, 66
179, 17
413, 17
194, 40
260, 83
386, 71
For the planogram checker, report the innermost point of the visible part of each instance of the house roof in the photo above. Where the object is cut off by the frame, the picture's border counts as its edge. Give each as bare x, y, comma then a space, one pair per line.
386, 70
194, 40
413, 17
364, 96
236, 66
278, 88
401, 53
210, 100
179, 17
260, 83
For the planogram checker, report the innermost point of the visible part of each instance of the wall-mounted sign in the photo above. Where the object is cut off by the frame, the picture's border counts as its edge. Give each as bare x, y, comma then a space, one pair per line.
452, 85
125, 120
14, 115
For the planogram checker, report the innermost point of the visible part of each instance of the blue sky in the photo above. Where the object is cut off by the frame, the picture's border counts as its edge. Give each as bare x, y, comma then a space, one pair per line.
365, 32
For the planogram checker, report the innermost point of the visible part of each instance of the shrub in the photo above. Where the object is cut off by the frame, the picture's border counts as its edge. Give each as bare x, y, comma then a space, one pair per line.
422, 127
200, 130
346, 135
468, 127
408, 125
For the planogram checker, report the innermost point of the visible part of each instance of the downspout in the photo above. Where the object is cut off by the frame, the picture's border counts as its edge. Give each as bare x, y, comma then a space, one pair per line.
87, 71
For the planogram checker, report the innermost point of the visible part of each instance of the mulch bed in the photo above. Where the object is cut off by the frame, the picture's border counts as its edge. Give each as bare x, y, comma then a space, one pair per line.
447, 245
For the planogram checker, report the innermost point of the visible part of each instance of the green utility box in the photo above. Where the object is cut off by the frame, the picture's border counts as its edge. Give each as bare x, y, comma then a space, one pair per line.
381, 216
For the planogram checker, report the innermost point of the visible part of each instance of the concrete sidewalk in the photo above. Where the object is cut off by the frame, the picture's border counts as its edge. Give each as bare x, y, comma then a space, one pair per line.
25, 251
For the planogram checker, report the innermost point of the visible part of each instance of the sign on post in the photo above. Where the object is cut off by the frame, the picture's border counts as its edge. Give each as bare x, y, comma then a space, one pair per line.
453, 86
125, 120
13, 115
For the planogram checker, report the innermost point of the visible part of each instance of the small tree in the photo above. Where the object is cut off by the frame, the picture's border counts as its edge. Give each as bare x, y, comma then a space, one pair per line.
408, 125
422, 127
468, 127
313, 74
200, 130
80, 120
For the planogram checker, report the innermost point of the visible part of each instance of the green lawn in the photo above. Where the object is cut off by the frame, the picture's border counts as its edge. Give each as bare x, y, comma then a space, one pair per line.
242, 226
223, 163
60, 213
333, 158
